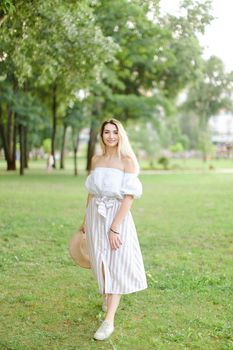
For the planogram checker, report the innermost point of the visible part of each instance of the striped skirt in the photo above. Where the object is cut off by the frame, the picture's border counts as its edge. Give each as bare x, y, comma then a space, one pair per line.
123, 268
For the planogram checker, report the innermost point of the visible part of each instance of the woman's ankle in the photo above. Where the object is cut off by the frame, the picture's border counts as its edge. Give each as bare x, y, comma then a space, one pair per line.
110, 321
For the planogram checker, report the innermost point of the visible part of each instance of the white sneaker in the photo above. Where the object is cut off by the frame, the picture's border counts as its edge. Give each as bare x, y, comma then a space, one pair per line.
105, 304
104, 331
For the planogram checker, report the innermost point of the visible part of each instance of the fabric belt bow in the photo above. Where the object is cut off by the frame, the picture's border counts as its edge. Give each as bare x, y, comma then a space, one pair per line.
103, 203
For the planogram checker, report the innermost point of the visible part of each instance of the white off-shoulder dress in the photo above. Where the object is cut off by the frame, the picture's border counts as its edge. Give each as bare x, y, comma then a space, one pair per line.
124, 268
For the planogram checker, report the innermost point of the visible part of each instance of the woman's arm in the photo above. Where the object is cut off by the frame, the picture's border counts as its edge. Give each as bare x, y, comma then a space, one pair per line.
114, 239
83, 226
90, 195
124, 208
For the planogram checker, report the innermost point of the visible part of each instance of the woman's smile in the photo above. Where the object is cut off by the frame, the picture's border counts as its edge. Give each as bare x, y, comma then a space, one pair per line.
111, 141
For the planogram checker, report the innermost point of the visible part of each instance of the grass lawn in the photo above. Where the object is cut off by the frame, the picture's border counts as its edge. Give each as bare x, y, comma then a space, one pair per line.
185, 228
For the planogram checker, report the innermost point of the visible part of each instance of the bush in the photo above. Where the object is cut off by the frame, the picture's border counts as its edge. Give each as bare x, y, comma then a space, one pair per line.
164, 161
178, 147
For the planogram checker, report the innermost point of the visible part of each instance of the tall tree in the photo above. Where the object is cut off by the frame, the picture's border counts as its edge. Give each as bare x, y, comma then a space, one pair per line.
157, 58
8, 127
56, 45
76, 119
210, 94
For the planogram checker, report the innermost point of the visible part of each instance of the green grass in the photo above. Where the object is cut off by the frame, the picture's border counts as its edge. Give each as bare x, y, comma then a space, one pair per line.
184, 224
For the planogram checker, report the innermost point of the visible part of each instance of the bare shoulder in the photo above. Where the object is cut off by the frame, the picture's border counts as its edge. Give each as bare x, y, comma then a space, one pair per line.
129, 165
94, 161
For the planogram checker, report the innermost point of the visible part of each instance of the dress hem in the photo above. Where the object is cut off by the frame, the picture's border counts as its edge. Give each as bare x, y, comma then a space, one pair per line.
129, 292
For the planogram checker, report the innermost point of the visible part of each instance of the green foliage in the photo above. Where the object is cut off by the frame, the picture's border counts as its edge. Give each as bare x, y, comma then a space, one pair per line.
157, 59
205, 144
197, 14
50, 46
29, 112
47, 145
179, 57
164, 161
6, 7
144, 138
75, 116
125, 64
178, 147
189, 125
212, 92
55, 41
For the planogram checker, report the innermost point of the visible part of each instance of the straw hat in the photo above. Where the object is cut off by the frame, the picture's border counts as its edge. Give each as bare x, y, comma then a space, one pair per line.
78, 250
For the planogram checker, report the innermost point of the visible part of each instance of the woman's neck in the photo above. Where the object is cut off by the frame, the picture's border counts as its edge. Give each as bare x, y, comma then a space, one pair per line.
110, 152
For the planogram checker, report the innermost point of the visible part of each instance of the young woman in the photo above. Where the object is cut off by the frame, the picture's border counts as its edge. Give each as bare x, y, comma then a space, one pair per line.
112, 241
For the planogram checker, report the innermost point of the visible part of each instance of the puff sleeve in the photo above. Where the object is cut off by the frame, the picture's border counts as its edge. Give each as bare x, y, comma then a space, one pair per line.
89, 183
131, 185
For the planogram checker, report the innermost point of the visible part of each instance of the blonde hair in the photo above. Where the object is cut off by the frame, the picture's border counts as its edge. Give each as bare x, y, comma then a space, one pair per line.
124, 148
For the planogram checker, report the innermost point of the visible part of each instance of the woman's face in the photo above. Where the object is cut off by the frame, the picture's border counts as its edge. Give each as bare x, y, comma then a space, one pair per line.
110, 135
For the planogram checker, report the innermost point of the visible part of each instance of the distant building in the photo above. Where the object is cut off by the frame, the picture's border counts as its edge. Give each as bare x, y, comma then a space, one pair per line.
221, 127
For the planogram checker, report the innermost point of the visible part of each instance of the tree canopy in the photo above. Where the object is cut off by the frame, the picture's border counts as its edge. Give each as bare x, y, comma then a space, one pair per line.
123, 57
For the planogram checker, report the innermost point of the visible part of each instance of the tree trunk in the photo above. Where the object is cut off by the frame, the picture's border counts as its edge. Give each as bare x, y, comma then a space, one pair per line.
75, 161
62, 165
76, 146
8, 135
3, 137
204, 157
54, 128
21, 146
10, 130
91, 143
11, 139
14, 145
203, 125
25, 148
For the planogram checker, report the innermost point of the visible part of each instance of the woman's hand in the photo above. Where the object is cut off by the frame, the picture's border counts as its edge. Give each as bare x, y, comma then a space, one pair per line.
115, 241
83, 227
